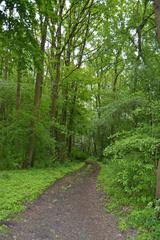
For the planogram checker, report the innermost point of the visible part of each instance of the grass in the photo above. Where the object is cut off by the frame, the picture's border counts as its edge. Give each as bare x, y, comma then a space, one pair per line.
18, 187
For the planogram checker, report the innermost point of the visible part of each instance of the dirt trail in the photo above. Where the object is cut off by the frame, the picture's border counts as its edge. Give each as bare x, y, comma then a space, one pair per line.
72, 209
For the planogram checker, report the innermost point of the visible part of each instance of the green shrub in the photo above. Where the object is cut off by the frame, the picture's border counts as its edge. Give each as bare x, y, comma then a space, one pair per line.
133, 166
129, 178
147, 221
79, 155
139, 144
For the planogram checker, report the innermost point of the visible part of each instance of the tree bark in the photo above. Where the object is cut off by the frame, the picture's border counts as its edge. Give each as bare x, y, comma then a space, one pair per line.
158, 181
57, 45
5, 69
18, 91
29, 161
156, 4
70, 121
5, 72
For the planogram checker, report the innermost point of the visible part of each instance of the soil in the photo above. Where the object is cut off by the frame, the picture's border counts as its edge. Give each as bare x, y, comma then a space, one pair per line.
71, 209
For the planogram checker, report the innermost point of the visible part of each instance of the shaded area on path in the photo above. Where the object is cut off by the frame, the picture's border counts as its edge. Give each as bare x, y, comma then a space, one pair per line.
72, 209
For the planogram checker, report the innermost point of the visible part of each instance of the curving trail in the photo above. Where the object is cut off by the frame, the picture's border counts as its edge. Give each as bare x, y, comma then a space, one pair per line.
72, 209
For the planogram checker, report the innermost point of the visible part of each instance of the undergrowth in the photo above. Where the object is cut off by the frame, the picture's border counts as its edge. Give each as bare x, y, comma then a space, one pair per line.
18, 187
139, 210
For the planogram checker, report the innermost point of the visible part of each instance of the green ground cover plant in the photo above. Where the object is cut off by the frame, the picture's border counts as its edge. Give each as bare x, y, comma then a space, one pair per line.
18, 187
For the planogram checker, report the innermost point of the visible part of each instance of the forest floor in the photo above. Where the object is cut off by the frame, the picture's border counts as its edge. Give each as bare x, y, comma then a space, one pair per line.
71, 209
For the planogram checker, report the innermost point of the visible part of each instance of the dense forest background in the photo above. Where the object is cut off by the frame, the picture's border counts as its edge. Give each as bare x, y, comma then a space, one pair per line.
76, 78
80, 79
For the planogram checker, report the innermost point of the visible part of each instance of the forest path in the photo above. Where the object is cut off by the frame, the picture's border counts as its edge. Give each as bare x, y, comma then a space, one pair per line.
72, 209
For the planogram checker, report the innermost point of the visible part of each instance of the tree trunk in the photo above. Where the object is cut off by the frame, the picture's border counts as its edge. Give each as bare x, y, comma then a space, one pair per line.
55, 88
18, 91
5, 69
158, 181
70, 121
65, 94
57, 63
156, 4
56, 80
29, 161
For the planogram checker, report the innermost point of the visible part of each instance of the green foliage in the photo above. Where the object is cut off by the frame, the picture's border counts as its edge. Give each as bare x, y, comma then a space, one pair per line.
91, 160
129, 171
19, 187
16, 129
106, 98
79, 155
130, 186
122, 225
129, 176
136, 143
147, 221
